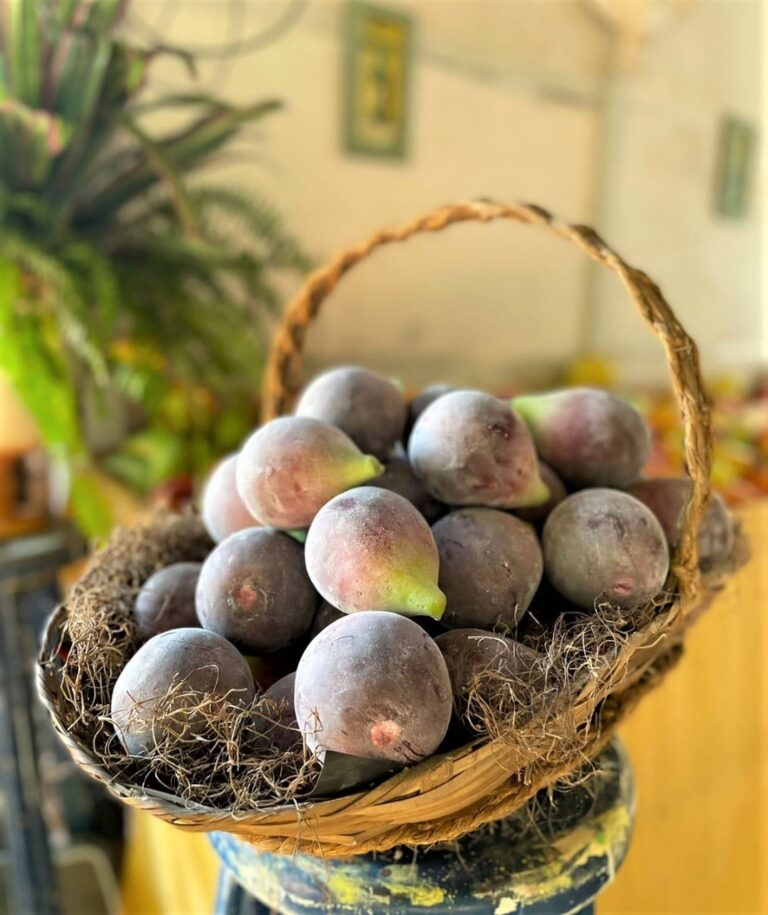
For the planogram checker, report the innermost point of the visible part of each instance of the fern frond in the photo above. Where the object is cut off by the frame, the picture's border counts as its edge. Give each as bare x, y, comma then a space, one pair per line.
258, 218
62, 295
36, 369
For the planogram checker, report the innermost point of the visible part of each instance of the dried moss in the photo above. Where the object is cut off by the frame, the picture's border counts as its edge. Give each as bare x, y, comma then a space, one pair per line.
231, 763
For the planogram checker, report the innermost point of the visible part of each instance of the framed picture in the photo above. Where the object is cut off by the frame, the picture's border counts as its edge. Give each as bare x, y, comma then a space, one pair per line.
377, 75
737, 142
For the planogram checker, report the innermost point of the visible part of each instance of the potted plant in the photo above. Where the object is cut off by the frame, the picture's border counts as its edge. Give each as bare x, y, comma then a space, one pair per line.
125, 279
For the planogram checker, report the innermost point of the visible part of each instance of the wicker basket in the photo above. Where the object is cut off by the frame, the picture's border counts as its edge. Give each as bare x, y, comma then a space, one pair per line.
448, 795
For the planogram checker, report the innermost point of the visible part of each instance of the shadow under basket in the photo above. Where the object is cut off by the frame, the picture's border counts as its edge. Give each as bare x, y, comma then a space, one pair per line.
455, 792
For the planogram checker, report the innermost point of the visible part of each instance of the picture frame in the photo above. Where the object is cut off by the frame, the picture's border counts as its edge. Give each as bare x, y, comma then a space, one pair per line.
736, 147
378, 50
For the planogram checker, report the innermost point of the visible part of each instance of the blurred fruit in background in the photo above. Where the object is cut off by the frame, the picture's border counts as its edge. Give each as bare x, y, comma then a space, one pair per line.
740, 423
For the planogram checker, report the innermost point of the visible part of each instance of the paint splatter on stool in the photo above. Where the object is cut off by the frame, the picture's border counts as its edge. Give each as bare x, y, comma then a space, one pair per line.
551, 858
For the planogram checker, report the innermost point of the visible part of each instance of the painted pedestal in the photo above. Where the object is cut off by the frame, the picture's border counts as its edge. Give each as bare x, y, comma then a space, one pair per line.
552, 858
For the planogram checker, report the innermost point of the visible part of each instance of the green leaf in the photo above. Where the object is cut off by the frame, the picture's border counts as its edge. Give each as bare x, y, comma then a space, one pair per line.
4, 88
22, 49
30, 140
182, 151
67, 298
158, 161
90, 505
124, 75
80, 78
37, 371
147, 459
65, 12
104, 15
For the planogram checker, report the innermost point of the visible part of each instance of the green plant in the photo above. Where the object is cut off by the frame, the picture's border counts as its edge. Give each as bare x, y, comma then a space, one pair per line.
117, 272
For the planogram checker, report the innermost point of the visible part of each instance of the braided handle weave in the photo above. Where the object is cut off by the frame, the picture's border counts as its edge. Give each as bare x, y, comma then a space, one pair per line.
284, 367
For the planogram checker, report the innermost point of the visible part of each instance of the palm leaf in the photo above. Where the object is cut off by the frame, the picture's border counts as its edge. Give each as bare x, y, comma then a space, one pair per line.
159, 163
183, 151
104, 242
124, 74
21, 48
30, 140
64, 12
79, 84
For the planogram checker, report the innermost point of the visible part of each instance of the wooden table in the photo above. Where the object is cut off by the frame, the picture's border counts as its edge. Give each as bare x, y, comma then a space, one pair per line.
699, 749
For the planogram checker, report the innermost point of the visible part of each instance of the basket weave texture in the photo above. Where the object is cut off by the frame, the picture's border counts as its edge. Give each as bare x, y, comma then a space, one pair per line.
451, 794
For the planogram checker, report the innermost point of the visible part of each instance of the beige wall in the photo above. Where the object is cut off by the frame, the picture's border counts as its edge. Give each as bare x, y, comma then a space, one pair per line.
509, 101
658, 204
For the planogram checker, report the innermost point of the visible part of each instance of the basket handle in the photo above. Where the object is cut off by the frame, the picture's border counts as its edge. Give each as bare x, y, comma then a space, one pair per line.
284, 366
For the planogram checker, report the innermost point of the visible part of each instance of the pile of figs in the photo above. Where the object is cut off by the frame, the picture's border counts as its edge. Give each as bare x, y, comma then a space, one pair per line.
381, 554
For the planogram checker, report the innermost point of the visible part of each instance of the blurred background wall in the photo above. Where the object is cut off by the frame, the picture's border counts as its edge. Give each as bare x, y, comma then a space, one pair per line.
606, 112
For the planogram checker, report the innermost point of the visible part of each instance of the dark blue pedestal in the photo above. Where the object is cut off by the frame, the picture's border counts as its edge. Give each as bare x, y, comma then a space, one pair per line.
552, 858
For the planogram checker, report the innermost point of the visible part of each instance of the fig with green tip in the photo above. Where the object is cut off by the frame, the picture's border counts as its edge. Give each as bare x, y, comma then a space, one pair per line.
290, 467
666, 497
473, 449
370, 549
588, 436
538, 514
369, 408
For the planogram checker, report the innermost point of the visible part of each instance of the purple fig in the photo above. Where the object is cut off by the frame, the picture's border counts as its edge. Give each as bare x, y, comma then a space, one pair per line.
160, 687
254, 590
369, 408
290, 467
605, 545
373, 684
490, 567
666, 498
472, 654
473, 449
167, 600
276, 714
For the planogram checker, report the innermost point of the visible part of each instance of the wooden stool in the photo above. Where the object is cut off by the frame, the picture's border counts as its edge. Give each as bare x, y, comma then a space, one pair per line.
551, 858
